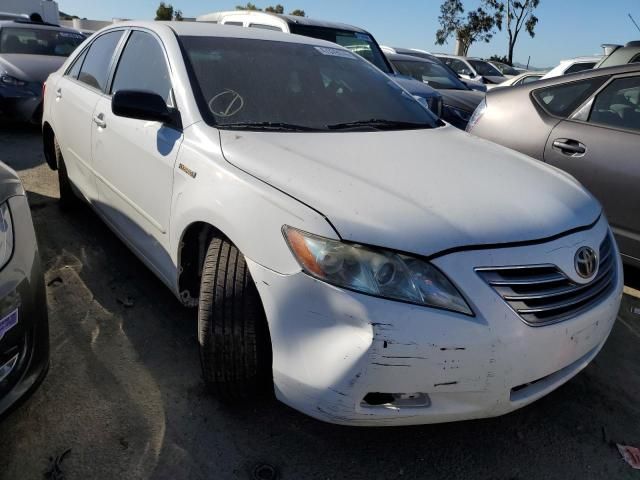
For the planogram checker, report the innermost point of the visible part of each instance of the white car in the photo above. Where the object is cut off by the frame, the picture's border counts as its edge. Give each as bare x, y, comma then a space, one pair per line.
573, 65
371, 264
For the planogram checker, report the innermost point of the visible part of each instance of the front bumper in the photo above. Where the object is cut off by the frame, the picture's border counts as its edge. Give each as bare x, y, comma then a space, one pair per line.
332, 347
22, 289
21, 104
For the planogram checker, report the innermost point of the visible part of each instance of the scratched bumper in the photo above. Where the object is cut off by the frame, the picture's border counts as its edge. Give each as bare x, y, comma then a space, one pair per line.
331, 347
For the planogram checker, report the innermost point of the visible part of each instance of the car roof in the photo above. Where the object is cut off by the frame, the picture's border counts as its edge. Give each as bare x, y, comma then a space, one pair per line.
205, 29
37, 25
410, 58
574, 77
290, 19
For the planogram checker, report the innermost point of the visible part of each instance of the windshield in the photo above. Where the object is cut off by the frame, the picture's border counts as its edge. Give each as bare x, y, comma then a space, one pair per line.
245, 83
484, 68
360, 43
39, 41
432, 74
506, 69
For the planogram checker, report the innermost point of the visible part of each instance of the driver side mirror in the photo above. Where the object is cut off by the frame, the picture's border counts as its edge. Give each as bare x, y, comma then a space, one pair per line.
143, 105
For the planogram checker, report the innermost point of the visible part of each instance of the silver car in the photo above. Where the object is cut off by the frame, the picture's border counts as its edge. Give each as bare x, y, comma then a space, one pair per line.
587, 124
29, 52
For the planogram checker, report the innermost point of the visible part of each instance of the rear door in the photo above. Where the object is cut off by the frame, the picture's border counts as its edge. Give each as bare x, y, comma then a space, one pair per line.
76, 95
134, 159
599, 146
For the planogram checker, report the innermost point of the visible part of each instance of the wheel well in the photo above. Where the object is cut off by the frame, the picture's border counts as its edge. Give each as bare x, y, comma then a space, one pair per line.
191, 253
48, 145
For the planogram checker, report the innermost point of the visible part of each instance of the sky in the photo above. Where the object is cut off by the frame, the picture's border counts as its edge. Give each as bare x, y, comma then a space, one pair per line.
566, 29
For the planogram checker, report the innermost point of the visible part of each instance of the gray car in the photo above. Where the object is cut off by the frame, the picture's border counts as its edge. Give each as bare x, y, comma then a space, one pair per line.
29, 52
621, 55
24, 330
587, 124
458, 100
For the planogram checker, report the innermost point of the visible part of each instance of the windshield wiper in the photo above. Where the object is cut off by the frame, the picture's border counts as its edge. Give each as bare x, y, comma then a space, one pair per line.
378, 124
274, 126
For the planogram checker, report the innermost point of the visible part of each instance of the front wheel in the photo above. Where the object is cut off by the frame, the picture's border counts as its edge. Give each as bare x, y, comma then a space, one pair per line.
235, 349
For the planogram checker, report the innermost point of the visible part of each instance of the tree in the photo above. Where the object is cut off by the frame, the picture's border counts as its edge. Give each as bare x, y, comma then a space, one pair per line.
248, 6
477, 26
164, 12
498, 58
177, 16
520, 14
298, 13
277, 9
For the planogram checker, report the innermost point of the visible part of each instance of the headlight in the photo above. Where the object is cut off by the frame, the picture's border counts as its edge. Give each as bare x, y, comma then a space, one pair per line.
6, 234
477, 114
463, 115
377, 272
11, 81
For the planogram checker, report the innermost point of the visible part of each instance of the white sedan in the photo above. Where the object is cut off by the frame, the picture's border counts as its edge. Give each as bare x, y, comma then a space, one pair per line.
344, 247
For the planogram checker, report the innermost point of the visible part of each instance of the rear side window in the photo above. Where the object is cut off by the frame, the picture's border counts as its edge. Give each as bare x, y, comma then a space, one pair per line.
77, 64
266, 27
458, 66
561, 100
618, 104
143, 66
580, 67
635, 59
95, 68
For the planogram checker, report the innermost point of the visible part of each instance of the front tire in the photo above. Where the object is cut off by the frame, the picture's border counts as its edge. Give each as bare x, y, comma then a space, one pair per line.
235, 350
68, 198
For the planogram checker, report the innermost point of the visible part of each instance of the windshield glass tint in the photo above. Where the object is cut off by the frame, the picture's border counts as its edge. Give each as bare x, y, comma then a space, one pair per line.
32, 41
251, 81
360, 43
434, 75
485, 68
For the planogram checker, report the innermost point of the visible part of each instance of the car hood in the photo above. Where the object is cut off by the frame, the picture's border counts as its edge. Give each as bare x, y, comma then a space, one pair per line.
414, 87
30, 68
466, 100
419, 191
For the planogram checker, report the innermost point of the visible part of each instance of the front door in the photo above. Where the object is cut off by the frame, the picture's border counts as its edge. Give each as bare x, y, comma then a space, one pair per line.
134, 159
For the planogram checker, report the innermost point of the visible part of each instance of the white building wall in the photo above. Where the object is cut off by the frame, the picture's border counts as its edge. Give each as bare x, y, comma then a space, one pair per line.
48, 9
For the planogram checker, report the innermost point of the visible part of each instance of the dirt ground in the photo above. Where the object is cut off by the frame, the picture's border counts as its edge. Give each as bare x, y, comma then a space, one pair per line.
124, 392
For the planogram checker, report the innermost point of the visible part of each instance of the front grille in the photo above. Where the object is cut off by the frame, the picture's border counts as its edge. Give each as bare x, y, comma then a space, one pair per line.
542, 294
435, 105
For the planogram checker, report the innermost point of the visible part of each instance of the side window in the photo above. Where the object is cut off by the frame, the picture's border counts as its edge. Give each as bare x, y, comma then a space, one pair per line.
618, 104
235, 24
143, 66
74, 70
265, 27
459, 67
530, 79
635, 59
561, 100
95, 68
579, 67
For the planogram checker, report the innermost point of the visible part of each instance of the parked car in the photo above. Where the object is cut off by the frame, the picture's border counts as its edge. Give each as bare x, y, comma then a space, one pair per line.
24, 330
376, 266
522, 79
573, 65
587, 124
459, 101
353, 38
29, 52
472, 84
507, 70
620, 55
473, 69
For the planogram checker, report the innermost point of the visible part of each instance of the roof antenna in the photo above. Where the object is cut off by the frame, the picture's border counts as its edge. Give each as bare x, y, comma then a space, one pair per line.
634, 22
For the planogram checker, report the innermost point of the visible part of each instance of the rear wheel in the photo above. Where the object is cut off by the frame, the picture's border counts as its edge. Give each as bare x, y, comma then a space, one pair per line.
68, 198
235, 349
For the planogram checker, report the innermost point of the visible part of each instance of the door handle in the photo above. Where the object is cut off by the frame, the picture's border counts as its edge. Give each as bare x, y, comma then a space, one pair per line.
59, 93
99, 121
569, 147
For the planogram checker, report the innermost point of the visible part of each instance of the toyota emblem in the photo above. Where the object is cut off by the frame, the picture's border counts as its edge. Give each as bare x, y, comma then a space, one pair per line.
586, 262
